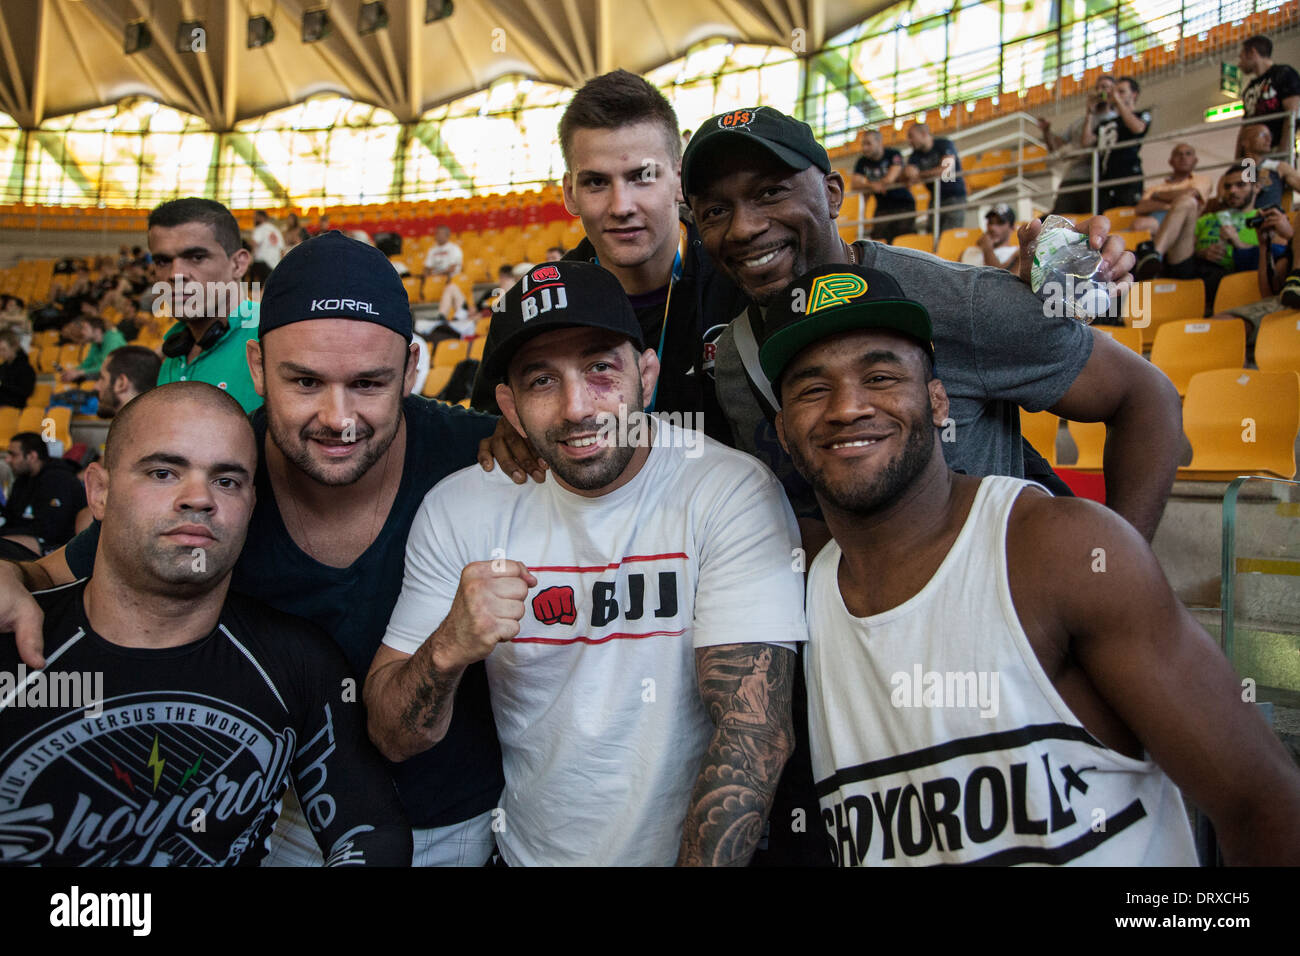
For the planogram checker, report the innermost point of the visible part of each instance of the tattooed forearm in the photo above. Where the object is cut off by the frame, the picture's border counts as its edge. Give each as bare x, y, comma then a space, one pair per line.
431, 700
747, 689
409, 703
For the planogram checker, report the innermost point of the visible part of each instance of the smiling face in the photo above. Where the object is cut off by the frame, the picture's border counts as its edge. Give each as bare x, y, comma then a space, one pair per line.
563, 390
764, 223
625, 185
177, 485
333, 390
858, 417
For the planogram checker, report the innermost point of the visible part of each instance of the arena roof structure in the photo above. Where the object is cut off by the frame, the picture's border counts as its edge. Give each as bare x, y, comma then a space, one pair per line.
62, 56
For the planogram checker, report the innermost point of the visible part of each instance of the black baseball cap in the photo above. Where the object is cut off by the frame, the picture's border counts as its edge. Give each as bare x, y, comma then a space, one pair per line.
832, 299
1004, 212
557, 295
788, 139
332, 276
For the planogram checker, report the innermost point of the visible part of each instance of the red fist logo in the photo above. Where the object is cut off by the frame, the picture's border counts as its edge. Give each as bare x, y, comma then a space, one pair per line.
555, 606
545, 273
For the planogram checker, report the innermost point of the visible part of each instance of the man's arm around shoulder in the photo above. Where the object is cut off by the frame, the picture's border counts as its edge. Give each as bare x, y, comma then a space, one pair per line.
19, 611
1077, 567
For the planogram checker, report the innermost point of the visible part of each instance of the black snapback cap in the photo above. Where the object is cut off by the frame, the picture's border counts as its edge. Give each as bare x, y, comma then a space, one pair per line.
788, 139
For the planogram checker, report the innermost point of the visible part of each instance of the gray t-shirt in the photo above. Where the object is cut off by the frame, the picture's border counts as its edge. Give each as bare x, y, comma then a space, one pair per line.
995, 351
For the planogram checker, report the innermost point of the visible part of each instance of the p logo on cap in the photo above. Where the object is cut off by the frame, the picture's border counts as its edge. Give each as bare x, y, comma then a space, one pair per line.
837, 288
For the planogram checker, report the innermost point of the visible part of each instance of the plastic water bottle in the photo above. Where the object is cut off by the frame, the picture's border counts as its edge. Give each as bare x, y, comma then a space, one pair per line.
1066, 268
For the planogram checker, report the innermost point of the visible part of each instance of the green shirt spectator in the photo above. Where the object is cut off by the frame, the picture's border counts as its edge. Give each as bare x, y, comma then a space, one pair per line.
1208, 232
223, 364
110, 339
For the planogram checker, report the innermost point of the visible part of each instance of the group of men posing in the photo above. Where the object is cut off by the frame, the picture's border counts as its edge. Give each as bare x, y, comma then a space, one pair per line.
591, 646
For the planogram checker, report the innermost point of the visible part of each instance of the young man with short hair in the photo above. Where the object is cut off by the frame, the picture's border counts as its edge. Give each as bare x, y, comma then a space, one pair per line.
1274, 89
127, 372
41, 512
1126, 125
995, 676
879, 171
994, 247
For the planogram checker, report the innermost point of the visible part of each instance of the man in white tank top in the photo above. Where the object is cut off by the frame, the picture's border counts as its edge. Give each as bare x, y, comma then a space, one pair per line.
994, 675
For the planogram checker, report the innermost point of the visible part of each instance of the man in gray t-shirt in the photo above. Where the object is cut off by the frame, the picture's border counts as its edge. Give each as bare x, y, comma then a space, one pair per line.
765, 198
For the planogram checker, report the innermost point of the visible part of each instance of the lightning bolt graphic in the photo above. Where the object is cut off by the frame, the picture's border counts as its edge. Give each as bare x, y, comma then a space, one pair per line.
156, 764
122, 775
189, 773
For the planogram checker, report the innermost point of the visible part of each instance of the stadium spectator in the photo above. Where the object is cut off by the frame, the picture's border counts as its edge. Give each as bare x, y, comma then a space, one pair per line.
555, 253
43, 503
879, 171
1274, 89
1106, 674
1276, 234
1184, 180
127, 372
268, 240
17, 377
196, 251
505, 279
613, 128
101, 338
444, 257
159, 627
1254, 143
994, 246
994, 343
328, 532
934, 160
1209, 246
637, 787
1128, 125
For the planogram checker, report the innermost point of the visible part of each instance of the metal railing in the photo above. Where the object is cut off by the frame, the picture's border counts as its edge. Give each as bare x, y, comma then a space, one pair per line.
1020, 188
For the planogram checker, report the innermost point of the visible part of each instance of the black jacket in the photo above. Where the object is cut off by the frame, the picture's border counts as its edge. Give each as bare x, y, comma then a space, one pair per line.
45, 506
17, 381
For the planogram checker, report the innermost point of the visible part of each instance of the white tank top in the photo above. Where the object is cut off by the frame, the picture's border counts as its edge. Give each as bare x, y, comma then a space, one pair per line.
937, 738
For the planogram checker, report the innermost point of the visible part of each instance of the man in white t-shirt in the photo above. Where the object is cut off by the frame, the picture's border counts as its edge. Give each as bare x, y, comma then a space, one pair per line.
994, 247
444, 257
637, 610
995, 676
268, 241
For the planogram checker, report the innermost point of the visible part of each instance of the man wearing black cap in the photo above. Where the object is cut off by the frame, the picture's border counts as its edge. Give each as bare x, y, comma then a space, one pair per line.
765, 200
637, 610
995, 676
994, 247
348, 455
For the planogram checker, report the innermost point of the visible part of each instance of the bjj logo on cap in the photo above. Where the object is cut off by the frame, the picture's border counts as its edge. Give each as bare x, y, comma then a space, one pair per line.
738, 119
545, 273
838, 288
538, 299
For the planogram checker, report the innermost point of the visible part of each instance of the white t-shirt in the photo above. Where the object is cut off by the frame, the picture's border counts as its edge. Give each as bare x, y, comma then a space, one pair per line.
973, 256
444, 258
268, 244
596, 701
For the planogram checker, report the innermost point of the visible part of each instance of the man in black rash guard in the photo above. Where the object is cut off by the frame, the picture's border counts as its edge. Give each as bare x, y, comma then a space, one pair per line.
171, 714
347, 456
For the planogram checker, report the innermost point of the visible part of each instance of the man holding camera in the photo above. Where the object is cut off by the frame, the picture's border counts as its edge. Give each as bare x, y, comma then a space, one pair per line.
1126, 125
1077, 200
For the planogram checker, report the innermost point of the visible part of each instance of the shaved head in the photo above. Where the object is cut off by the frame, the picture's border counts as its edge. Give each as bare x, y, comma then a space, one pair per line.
165, 400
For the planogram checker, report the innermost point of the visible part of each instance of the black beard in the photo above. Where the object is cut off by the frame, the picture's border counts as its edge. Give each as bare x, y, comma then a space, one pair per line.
865, 498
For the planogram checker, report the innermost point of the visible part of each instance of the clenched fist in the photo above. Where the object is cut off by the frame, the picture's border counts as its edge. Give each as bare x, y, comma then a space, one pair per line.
555, 606
486, 610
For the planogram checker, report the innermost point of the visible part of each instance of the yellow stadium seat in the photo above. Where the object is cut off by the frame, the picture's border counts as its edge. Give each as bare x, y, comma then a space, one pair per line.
1277, 346
1237, 289
1163, 300
1039, 429
1189, 346
915, 240
953, 242
1090, 439
1132, 237
439, 376
412, 286
451, 351
70, 355
476, 347
31, 420
433, 287
1129, 338
8, 423
40, 396
61, 416
46, 359
1121, 217
481, 326
1241, 422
